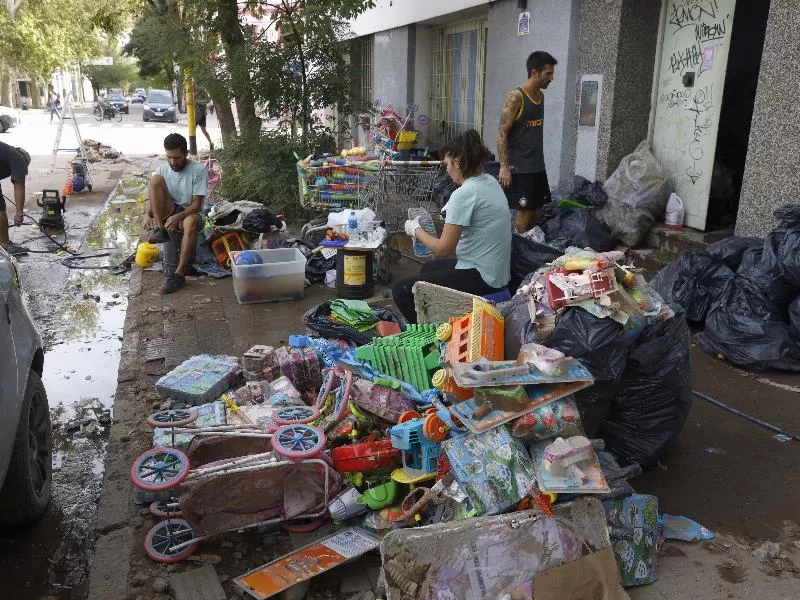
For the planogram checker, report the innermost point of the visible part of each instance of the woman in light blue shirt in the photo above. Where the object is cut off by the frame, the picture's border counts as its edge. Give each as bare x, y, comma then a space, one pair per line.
477, 228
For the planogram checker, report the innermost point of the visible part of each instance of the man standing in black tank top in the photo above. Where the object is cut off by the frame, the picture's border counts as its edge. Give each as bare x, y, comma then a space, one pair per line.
520, 143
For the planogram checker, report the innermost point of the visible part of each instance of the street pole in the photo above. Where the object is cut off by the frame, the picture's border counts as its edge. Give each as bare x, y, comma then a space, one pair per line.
190, 116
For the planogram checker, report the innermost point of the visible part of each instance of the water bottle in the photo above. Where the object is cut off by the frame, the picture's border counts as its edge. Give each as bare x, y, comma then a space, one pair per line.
352, 225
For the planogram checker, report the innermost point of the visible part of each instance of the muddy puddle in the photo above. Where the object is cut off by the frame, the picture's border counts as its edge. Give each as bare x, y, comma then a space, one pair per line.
80, 313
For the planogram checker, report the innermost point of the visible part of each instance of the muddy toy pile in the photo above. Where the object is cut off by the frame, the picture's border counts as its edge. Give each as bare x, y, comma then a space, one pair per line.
483, 451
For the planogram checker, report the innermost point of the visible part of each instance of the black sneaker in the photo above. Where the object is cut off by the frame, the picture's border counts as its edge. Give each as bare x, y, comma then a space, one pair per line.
173, 283
159, 236
15, 249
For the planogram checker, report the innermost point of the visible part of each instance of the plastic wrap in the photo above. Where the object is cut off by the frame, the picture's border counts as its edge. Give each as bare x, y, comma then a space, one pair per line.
318, 320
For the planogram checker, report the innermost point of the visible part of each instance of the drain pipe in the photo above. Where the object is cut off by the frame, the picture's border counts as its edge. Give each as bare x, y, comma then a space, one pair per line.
744, 415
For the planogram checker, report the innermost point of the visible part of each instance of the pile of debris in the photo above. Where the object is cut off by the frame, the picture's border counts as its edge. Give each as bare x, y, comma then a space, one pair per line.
472, 441
95, 152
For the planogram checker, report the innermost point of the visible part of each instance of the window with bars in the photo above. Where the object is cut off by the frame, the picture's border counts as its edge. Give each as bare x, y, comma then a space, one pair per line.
361, 61
459, 74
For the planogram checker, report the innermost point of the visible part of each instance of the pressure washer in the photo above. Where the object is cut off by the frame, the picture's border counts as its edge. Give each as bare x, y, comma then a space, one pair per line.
53, 208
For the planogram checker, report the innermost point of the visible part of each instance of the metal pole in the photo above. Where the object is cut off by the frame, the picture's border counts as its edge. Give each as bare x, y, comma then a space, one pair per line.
190, 116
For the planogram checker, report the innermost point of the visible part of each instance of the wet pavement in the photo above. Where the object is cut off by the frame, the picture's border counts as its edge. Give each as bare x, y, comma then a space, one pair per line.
80, 313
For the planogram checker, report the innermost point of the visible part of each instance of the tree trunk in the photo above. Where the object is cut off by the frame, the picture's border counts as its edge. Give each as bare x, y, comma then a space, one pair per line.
222, 106
5, 86
235, 54
35, 95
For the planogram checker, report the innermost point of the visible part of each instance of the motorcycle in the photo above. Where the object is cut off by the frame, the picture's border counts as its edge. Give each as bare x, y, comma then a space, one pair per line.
107, 111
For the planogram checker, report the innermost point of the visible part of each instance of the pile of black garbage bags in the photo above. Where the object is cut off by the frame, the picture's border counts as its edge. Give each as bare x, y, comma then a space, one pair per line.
747, 293
642, 392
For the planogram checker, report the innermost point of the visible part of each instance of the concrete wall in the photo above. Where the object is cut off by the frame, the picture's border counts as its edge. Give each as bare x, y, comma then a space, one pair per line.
396, 13
553, 29
422, 78
618, 41
770, 175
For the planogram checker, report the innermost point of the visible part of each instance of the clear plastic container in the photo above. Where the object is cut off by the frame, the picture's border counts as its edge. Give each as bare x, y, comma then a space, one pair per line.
281, 276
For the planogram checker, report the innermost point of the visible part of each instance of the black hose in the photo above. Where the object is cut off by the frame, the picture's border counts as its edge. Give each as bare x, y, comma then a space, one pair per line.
744, 415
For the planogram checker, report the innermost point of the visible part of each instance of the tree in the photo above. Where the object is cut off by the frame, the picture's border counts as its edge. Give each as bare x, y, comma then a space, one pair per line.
122, 73
302, 69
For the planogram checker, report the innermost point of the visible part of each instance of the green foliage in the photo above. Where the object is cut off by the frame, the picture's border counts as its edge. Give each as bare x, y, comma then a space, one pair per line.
261, 166
123, 73
45, 35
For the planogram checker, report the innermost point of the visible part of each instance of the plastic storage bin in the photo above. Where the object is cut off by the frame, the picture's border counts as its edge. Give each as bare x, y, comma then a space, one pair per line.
281, 276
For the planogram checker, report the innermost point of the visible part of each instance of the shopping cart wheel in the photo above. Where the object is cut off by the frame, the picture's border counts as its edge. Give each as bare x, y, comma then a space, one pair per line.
298, 442
171, 418
159, 469
291, 415
166, 509
161, 541
303, 525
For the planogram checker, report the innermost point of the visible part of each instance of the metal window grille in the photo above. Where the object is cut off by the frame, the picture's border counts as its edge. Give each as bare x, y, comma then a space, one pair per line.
367, 54
459, 75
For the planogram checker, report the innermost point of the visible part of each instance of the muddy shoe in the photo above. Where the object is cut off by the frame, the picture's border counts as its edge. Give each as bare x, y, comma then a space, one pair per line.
173, 283
159, 236
15, 249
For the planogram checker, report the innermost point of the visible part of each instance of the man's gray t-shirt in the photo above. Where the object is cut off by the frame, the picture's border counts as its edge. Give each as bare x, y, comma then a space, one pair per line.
481, 208
191, 180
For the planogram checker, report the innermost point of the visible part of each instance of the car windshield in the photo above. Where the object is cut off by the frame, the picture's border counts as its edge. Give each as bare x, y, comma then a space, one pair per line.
159, 99
115, 97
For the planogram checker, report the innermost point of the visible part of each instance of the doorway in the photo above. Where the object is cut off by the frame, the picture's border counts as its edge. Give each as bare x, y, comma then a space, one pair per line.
736, 113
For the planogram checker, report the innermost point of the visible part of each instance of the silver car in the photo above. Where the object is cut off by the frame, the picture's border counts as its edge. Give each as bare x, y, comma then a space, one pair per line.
26, 438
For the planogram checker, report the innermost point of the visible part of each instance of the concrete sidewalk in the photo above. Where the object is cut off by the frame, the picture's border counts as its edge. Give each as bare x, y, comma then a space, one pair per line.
744, 491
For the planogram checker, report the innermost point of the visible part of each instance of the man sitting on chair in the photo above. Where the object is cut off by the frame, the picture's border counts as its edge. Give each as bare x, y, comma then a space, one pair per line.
177, 191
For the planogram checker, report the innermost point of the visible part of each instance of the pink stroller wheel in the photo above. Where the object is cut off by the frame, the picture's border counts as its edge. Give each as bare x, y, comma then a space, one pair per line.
159, 469
171, 418
298, 442
161, 541
291, 415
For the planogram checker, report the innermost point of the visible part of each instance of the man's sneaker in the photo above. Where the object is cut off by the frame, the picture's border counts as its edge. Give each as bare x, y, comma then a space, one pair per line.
159, 236
173, 283
15, 249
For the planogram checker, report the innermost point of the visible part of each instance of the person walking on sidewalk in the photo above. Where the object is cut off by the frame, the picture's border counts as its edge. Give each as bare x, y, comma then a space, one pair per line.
520, 143
177, 191
55, 105
14, 164
200, 108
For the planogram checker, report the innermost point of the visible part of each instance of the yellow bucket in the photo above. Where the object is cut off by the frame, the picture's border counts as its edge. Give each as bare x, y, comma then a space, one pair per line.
146, 254
406, 139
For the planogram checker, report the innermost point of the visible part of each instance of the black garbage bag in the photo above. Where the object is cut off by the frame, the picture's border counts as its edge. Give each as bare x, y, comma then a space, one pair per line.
569, 227
654, 395
518, 328
526, 257
748, 329
600, 346
261, 220
789, 247
794, 320
731, 249
694, 281
590, 193
318, 321
317, 265
443, 186
767, 274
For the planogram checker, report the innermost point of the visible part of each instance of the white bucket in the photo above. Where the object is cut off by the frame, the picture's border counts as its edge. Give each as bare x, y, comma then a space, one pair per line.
673, 218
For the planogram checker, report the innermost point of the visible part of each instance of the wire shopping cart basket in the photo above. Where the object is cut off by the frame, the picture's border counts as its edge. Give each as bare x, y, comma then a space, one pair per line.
398, 186
334, 183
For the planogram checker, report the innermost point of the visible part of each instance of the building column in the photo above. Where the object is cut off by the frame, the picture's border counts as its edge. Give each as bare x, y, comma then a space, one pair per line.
770, 173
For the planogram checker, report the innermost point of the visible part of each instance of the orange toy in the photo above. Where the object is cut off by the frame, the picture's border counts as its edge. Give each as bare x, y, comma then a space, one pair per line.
228, 242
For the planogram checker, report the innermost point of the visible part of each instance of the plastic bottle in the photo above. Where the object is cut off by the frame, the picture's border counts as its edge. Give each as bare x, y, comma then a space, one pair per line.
673, 218
352, 225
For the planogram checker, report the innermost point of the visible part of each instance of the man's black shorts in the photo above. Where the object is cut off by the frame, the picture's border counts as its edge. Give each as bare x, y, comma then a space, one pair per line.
2, 202
528, 191
201, 121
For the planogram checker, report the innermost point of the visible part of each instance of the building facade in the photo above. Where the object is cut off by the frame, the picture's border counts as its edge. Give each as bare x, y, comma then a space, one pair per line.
687, 75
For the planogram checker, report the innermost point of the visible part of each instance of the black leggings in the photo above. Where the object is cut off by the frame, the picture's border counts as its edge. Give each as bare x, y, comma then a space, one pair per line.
441, 272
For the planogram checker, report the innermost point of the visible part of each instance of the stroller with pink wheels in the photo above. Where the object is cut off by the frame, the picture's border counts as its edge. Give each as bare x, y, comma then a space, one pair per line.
233, 477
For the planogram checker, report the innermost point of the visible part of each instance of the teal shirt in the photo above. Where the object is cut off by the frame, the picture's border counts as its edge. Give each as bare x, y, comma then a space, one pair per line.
191, 180
481, 208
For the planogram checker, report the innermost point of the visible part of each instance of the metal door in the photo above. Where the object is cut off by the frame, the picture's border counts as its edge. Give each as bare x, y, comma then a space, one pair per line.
695, 40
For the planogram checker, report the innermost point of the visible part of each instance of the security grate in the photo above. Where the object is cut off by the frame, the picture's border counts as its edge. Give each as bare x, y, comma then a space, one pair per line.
459, 75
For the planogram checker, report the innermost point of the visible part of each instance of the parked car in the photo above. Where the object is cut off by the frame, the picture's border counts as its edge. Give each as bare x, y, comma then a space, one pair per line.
159, 106
8, 118
117, 100
26, 438
139, 96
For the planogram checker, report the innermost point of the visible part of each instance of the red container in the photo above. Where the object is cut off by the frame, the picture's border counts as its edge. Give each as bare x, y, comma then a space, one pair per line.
366, 456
